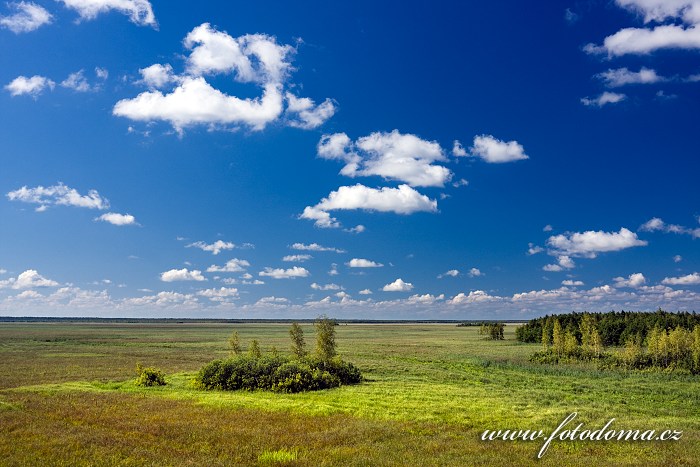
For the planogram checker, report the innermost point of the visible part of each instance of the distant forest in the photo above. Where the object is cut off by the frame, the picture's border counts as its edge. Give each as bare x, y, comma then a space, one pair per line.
615, 327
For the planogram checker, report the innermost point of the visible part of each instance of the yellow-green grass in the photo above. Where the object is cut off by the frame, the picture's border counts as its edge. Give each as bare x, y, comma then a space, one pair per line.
431, 390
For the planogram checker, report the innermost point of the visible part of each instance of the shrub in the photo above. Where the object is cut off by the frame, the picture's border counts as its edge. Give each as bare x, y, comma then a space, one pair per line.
149, 376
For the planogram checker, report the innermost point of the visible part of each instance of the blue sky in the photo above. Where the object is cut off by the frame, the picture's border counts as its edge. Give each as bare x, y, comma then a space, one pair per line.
363, 160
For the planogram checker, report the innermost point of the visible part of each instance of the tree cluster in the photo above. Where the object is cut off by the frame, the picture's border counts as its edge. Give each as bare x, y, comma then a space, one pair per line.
301, 372
492, 331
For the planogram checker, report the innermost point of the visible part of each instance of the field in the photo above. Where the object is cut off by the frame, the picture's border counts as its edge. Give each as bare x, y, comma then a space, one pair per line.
67, 397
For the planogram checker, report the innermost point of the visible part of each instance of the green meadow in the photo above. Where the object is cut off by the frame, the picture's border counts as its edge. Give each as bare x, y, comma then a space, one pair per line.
67, 397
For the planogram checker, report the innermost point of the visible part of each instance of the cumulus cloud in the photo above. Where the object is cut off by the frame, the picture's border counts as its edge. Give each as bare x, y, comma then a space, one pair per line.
425, 299
401, 200
458, 150
393, 156
642, 41
304, 113
572, 283
603, 99
26, 17
363, 263
690, 279
590, 243
314, 247
365, 292
182, 275
451, 273
658, 225
316, 286
232, 265
117, 219
77, 82
215, 248
29, 279
33, 86
475, 296
291, 273
256, 59
58, 195
495, 151
563, 262
221, 295
296, 258
534, 249
139, 11
634, 281
398, 286
623, 76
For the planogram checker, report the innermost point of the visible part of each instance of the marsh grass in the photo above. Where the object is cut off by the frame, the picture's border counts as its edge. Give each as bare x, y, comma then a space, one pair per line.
430, 392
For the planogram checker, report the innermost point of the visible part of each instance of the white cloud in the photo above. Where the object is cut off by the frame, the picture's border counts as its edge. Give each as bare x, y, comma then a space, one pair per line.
272, 301
634, 281
534, 249
77, 82
29, 279
458, 150
157, 76
195, 102
401, 200
334, 270
622, 76
677, 259
357, 229
590, 243
460, 182
222, 295
59, 195
27, 17
365, 292
474, 272
232, 265
655, 224
314, 247
475, 296
117, 219
547, 228
254, 58
162, 299
425, 299
33, 86
690, 279
572, 283
552, 268
101, 73
139, 11
296, 258
306, 114
182, 275
316, 286
495, 151
363, 263
393, 156
291, 273
215, 248
603, 99
642, 41
398, 286
451, 273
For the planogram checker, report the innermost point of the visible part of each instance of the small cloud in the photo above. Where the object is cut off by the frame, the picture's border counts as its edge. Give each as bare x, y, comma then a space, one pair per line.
184, 274
398, 286
690, 279
232, 265
296, 258
572, 283
314, 247
27, 17
365, 292
215, 248
534, 249
547, 228
316, 286
634, 281
570, 17
451, 273
363, 263
117, 219
603, 99
495, 151
77, 82
291, 273
474, 272
458, 150
677, 259
33, 86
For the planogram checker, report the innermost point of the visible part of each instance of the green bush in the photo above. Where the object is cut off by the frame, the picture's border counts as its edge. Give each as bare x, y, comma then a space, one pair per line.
149, 376
279, 374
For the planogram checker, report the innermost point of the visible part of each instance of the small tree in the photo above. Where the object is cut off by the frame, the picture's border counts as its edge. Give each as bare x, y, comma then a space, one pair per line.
298, 343
234, 343
596, 343
325, 338
558, 338
546, 335
254, 349
696, 349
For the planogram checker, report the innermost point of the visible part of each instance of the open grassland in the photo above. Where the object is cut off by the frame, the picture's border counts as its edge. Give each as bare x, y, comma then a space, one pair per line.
67, 397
